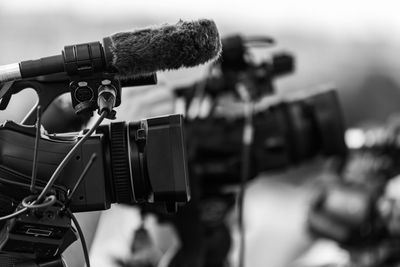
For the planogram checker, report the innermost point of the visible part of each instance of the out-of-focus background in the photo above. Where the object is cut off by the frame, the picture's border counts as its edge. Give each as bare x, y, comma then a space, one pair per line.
350, 45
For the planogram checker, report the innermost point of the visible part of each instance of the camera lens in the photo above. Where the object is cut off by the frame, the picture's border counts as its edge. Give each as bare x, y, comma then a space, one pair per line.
285, 134
315, 126
147, 160
299, 129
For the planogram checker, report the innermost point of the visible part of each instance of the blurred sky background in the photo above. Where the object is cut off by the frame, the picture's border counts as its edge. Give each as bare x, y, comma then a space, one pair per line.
351, 45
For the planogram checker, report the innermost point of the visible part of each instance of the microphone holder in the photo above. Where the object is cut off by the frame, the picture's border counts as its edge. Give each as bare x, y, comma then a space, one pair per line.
49, 87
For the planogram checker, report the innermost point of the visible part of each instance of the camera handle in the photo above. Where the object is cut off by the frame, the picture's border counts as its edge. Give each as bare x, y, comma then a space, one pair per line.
47, 88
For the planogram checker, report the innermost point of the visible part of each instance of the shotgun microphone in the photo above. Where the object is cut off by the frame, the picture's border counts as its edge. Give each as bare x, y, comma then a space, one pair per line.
129, 54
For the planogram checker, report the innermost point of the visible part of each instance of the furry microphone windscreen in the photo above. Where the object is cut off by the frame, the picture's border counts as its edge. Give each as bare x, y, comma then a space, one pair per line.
168, 47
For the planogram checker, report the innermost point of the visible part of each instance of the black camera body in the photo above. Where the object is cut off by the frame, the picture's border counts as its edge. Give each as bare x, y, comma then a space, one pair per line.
123, 162
142, 162
125, 172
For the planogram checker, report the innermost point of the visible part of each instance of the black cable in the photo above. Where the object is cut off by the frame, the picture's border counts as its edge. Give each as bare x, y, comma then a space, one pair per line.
80, 179
30, 204
81, 237
84, 172
52, 199
17, 183
15, 175
15, 214
27, 204
56, 173
70, 154
35, 155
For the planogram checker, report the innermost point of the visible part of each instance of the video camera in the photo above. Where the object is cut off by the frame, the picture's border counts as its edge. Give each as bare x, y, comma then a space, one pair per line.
285, 131
45, 177
238, 65
355, 209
